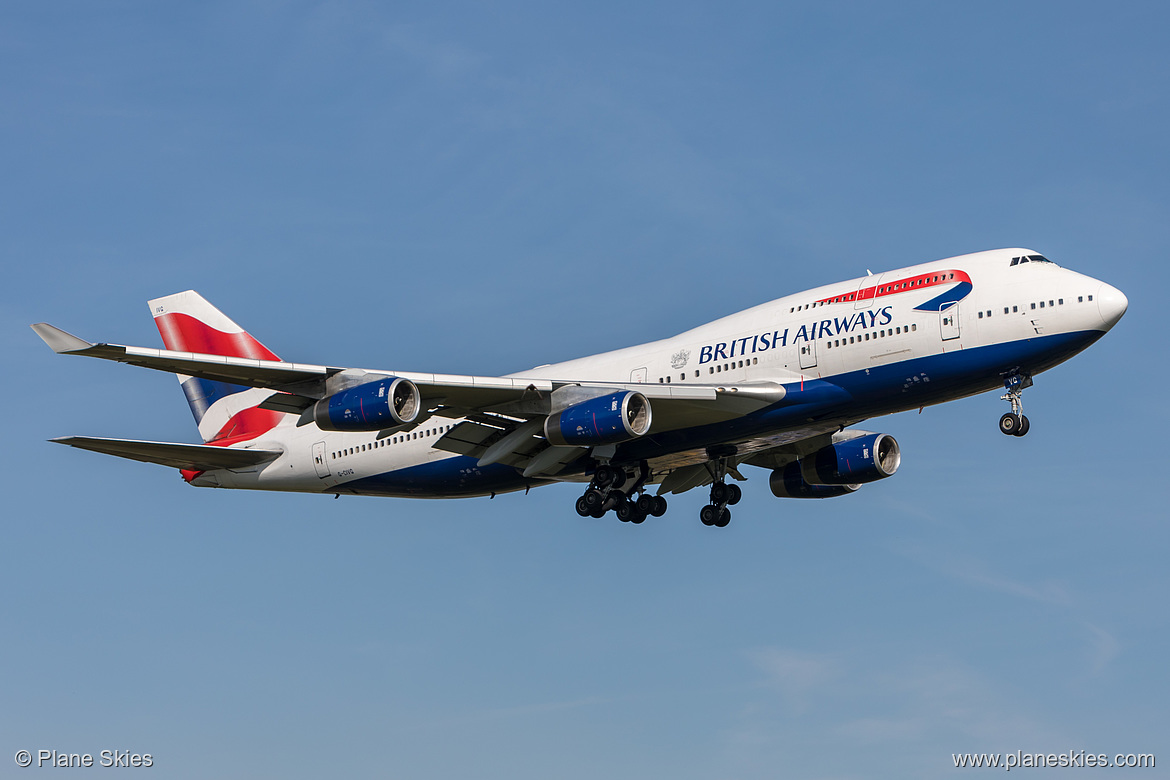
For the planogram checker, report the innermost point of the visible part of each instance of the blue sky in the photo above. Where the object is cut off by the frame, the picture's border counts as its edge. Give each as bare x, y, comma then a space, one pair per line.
478, 190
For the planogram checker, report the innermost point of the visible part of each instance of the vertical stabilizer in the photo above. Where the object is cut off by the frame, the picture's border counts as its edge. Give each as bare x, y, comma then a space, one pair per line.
225, 413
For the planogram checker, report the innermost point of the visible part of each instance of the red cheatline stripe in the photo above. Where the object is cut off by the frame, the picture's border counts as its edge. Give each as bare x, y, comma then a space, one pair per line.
918, 282
184, 333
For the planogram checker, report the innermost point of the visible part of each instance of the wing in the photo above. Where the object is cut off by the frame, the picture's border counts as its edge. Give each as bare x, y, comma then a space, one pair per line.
194, 457
449, 395
502, 415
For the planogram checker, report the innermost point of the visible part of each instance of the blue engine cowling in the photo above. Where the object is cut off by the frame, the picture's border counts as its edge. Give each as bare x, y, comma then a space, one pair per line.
864, 459
609, 419
788, 483
372, 406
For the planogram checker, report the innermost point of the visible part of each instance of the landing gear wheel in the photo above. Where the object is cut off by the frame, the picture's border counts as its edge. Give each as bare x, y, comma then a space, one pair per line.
593, 499
626, 511
1024, 426
723, 519
707, 514
659, 508
609, 476
638, 518
598, 513
645, 504
1010, 424
720, 492
583, 507
734, 494
604, 475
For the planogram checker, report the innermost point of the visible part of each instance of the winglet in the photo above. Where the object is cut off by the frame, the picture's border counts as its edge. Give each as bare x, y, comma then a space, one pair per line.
58, 340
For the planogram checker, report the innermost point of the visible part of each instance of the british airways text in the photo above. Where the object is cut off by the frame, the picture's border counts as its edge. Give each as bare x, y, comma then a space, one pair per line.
762, 342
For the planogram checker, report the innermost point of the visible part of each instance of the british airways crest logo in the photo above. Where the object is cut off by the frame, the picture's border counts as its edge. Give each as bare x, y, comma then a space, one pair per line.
680, 359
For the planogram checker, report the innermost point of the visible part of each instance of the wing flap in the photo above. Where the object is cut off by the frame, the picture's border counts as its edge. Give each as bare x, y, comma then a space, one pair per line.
194, 457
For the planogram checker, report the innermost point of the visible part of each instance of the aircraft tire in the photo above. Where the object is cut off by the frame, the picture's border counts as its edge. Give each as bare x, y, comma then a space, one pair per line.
723, 519
734, 494
583, 507
719, 493
1009, 424
707, 514
659, 508
645, 503
1024, 426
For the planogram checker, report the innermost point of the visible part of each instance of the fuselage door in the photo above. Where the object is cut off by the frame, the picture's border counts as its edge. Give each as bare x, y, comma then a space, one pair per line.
949, 321
808, 354
638, 375
319, 460
867, 292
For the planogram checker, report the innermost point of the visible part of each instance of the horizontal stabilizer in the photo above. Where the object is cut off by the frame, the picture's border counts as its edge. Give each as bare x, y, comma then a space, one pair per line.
58, 340
193, 457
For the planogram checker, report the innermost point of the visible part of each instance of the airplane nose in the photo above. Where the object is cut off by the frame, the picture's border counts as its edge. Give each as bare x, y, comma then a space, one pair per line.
1112, 304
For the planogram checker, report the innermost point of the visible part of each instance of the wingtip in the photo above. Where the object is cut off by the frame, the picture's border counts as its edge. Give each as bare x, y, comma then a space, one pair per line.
58, 340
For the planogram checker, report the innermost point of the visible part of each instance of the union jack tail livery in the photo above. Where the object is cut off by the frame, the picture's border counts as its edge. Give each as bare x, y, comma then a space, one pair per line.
225, 413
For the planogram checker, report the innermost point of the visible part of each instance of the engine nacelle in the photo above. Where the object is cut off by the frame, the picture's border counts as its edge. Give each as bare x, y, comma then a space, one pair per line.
788, 483
853, 461
609, 419
371, 406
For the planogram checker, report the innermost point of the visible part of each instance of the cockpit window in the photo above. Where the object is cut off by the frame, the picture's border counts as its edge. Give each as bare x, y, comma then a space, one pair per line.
1030, 259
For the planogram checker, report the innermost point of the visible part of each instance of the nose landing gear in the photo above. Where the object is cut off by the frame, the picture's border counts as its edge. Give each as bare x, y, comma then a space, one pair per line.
1014, 423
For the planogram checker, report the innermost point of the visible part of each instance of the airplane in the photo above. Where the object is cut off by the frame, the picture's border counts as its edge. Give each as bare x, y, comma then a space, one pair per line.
777, 386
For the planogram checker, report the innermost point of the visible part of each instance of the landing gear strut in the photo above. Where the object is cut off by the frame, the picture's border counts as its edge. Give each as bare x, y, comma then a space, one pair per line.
604, 494
1014, 423
723, 495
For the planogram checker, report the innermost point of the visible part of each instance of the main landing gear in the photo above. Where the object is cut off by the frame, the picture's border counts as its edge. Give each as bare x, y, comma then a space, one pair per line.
1014, 423
723, 495
632, 506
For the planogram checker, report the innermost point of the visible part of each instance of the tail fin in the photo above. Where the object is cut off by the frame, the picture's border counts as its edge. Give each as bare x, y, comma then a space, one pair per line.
225, 413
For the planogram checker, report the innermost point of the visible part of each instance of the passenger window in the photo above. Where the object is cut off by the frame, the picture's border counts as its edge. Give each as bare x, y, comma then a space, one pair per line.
980, 315
1033, 306
1041, 304
1015, 309
1080, 299
696, 373
1090, 297
1060, 301
1050, 303
914, 326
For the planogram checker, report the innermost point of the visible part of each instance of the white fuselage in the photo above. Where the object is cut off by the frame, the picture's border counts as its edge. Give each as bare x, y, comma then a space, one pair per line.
863, 332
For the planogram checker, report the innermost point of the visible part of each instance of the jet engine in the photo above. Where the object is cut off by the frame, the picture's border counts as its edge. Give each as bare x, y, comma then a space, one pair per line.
788, 483
608, 419
371, 406
866, 458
